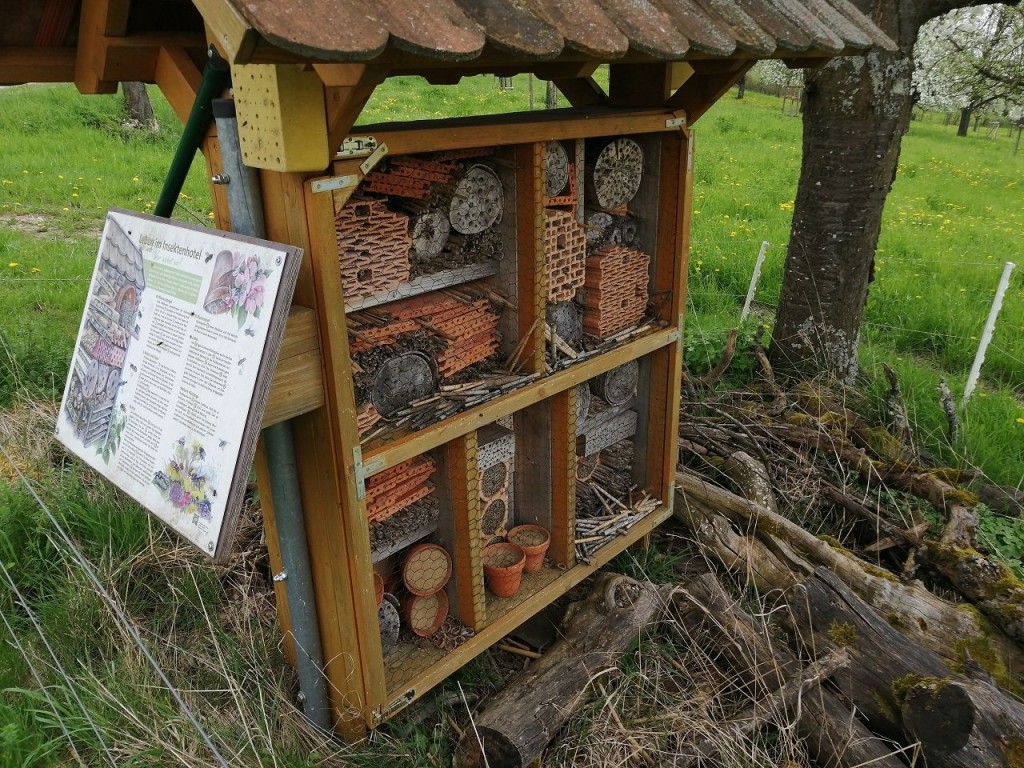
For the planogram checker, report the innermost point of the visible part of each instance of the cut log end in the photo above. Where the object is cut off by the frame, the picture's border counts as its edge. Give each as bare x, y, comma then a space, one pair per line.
940, 714
497, 750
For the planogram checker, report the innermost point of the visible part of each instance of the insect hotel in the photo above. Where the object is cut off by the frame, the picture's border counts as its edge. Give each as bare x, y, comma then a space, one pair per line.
479, 381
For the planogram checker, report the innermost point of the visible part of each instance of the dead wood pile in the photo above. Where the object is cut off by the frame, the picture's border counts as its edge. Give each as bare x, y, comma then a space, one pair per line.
932, 625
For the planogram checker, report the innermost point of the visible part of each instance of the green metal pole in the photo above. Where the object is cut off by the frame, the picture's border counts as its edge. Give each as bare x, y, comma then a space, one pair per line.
216, 75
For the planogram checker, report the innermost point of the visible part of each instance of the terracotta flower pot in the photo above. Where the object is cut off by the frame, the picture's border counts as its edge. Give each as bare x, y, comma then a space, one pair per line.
426, 569
534, 540
503, 568
424, 614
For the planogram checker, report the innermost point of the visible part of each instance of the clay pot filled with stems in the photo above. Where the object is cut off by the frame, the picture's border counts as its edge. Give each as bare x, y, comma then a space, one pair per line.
534, 540
503, 567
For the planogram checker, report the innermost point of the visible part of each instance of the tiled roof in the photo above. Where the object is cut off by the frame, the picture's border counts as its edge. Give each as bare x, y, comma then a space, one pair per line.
541, 30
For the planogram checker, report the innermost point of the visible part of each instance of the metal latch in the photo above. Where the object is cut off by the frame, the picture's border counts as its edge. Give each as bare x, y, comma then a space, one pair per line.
357, 146
384, 713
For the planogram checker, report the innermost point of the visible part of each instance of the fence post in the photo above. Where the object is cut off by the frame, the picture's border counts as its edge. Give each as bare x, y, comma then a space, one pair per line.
986, 335
753, 281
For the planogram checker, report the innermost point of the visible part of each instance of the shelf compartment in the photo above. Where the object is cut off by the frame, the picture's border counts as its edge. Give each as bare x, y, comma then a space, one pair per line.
413, 669
380, 457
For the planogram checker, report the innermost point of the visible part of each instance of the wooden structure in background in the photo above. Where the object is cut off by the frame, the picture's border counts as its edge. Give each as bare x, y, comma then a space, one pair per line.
302, 72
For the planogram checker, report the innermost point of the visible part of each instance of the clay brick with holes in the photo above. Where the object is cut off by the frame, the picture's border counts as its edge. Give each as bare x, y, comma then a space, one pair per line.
565, 248
394, 489
373, 248
615, 294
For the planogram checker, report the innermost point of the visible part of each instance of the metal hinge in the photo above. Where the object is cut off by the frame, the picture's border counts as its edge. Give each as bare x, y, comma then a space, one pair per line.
335, 182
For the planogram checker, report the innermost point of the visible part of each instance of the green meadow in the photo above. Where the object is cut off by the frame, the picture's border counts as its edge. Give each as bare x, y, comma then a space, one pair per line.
953, 219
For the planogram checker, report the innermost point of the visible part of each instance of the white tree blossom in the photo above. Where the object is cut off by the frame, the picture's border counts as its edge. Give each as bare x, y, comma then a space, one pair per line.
972, 59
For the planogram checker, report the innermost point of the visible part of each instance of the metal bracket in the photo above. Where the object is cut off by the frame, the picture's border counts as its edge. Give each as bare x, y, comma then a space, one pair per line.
360, 472
675, 122
384, 713
335, 182
378, 154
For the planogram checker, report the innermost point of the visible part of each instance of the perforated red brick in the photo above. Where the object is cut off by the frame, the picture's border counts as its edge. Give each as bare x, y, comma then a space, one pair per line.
467, 329
565, 246
615, 292
373, 248
394, 489
569, 198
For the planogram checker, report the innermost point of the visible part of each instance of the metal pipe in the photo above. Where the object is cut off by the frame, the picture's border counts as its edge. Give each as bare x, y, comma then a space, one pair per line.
243, 183
216, 75
245, 204
309, 656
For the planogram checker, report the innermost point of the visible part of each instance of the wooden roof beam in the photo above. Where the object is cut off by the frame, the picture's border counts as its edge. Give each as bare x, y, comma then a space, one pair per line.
702, 90
93, 24
36, 65
178, 78
231, 33
135, 58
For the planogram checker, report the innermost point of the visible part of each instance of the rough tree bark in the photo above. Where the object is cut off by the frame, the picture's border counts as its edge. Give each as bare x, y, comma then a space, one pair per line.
856, 111
138, 109
520, 721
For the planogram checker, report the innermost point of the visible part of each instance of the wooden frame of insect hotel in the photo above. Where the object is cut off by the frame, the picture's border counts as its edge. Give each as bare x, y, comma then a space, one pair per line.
482, 364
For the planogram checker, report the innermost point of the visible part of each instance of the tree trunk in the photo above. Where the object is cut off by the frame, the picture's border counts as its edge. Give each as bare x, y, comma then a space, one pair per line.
856, 111
965, 121
902, 688
551, 96
741, 87
138, 109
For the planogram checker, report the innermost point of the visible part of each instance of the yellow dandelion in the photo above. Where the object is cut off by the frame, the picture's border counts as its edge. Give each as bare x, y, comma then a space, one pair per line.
12, 264
1019, 420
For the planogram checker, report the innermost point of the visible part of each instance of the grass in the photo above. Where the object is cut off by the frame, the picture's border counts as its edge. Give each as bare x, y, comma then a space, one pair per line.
952, 219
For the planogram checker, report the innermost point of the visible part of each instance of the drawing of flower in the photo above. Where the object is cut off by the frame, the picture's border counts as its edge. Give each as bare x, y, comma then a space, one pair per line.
238, 286
183, 481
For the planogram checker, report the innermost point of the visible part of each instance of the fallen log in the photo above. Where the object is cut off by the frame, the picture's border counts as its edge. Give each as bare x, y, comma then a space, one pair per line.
897, 683
521, 720
834, 737
952, 631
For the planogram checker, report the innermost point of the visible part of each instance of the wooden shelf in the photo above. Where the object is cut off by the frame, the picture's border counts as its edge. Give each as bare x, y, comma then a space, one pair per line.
538, 444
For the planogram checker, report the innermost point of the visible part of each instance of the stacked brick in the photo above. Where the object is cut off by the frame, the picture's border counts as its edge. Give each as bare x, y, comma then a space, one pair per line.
565, 246
616, 289
391, 491
466, 329
410, 177
373, 248
366, 417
